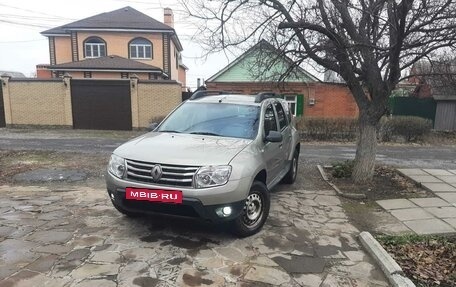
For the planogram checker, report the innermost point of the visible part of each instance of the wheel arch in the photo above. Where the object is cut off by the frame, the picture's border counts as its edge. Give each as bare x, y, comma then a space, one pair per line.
261, 176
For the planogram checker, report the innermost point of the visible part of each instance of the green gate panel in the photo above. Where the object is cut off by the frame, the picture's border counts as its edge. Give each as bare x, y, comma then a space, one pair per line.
410, 106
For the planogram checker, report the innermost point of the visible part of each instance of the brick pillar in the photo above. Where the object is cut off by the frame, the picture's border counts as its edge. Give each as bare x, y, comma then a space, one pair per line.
6, 99
67, 100
134, 101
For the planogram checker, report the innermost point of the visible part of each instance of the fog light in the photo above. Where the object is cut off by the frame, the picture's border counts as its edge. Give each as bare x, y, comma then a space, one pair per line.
226, 210
112, 196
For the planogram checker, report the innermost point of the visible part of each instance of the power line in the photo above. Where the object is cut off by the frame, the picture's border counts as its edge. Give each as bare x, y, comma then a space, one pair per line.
22, 41
131, 1
28, 17
33, 11
25, 24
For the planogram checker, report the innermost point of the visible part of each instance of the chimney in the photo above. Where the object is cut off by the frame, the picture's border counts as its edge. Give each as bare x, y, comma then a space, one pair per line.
198, 83
168, 17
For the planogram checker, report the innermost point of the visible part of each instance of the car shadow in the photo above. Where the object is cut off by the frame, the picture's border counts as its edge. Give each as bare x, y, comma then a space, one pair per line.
171, 227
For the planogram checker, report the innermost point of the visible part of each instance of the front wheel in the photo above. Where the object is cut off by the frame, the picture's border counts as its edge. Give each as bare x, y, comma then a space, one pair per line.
255, 211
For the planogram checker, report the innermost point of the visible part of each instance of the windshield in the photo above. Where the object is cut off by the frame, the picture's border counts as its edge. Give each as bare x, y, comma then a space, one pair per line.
226, 120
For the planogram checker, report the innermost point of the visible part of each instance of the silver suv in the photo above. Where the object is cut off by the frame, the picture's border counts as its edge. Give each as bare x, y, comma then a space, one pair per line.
215, 157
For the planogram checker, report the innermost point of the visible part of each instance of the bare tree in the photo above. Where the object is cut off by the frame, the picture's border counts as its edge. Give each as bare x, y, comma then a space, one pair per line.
367, 42
438, 73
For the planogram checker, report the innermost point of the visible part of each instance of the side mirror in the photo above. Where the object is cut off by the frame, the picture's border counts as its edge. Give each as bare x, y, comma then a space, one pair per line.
274, 137
152, 126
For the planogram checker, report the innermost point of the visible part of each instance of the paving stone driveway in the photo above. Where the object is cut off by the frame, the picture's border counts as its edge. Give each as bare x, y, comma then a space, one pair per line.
432, 215
75, 238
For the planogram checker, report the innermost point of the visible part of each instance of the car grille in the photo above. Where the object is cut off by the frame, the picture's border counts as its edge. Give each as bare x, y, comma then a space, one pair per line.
173, 175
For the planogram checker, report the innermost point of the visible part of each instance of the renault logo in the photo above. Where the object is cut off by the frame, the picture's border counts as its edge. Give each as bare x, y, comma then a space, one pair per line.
156, 172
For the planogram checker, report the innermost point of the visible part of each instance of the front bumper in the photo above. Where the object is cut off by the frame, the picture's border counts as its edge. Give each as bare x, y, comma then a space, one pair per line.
197, 203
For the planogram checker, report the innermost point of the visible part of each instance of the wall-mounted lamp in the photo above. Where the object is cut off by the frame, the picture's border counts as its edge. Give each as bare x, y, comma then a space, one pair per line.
4, 78
312, 101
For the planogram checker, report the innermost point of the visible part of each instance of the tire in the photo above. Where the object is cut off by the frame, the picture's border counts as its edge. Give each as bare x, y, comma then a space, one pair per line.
126, 212
248, 222
290, 177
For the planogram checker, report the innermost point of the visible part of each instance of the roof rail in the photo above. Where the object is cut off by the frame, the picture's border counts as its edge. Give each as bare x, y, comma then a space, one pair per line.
265, 95
202, 94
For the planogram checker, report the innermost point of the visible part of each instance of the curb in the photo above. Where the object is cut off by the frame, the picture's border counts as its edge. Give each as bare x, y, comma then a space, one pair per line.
388, 265
336, 189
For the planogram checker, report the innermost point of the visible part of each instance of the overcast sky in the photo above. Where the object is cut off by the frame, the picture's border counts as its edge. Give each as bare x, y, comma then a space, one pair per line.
22, 46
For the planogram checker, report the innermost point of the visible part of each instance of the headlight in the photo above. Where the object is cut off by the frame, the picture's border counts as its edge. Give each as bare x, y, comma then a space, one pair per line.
116, 166
208, 176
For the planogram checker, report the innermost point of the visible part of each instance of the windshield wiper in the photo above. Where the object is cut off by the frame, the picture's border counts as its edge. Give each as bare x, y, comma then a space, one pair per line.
205, 133
169, 131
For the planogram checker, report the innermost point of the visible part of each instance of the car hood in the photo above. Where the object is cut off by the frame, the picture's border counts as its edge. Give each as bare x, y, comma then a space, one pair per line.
182, 149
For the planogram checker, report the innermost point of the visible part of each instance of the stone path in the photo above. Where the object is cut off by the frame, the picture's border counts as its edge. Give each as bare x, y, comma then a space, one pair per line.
75, 238
435, 215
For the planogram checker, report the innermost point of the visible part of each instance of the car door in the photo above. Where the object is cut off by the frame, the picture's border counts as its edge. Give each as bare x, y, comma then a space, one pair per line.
272, 151
286, 132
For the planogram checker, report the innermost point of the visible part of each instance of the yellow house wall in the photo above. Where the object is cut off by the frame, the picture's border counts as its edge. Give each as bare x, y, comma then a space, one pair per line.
174, 70
183, 77
117, 44
63, 49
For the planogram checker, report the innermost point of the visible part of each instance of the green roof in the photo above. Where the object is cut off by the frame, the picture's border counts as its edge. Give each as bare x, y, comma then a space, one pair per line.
262, 63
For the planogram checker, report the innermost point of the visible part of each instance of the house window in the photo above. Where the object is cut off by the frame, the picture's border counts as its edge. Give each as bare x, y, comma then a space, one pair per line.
291, 100
87, 74
140, 48
94, 47
178, 58
124, 75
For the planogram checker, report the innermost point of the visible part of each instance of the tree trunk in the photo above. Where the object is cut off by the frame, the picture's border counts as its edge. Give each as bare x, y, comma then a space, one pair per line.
363, 170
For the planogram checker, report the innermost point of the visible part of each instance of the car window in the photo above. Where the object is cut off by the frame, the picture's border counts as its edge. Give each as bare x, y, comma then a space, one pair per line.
270, 123
226, 120
281, 115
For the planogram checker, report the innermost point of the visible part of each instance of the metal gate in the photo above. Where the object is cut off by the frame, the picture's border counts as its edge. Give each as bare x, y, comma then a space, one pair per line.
445, 118
101, 104
2, 108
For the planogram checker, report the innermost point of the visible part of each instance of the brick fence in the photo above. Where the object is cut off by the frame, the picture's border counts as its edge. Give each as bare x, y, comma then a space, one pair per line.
48, 102
37, 102
154, 101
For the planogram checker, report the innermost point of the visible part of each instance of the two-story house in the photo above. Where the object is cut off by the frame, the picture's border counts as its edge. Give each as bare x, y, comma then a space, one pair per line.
116, 45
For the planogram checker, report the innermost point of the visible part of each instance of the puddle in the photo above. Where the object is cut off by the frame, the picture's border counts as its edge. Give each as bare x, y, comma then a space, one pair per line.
178, 241
346, 246
196, 280
177, 261
50, 175
277, 242
145, 281
326, 250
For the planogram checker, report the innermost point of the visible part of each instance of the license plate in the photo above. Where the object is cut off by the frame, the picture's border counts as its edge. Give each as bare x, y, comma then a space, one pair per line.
154, 195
